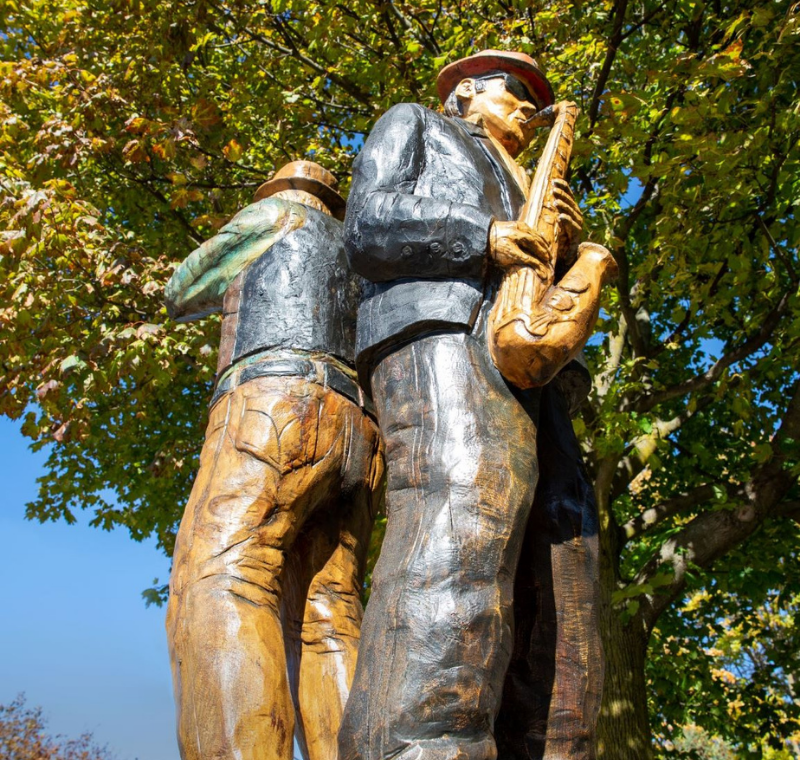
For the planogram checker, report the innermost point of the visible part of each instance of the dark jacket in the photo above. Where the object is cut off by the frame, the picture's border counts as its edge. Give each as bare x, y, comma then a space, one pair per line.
425, 191
301, 294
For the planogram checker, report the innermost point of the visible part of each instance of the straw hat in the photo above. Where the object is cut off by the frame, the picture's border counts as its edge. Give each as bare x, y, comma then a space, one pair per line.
308, 176
518, 65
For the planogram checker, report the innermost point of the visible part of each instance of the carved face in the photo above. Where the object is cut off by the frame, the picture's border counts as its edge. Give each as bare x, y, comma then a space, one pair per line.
503, 113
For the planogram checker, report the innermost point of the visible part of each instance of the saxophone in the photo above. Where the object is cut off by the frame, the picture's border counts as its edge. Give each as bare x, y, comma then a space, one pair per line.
535, 325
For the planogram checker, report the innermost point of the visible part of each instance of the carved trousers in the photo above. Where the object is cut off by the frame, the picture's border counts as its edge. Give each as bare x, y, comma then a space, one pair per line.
551, 696
438, 635
438, 630
264, 609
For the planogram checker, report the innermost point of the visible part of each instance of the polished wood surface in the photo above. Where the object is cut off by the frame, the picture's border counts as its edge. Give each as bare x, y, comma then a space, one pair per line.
553, 685
538, 325
480, 639
265, 595
265, 609
484, 533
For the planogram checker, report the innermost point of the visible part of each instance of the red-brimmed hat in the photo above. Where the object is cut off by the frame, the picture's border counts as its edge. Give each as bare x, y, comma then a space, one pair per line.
519, 65
308, 176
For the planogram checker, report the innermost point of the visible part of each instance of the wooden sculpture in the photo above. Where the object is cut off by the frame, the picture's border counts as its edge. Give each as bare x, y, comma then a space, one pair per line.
433, 225
536, 326
264, 608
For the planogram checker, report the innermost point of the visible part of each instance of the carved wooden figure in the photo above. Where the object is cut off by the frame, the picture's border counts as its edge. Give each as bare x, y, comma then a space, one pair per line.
537, 325
433, 225
264, 609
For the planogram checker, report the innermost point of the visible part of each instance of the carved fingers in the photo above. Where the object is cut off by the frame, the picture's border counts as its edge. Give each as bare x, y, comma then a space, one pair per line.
516, 244
570, 219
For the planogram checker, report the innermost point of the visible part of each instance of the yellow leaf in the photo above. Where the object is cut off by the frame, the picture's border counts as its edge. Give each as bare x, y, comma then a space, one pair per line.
165, 149
232, 151
734, 50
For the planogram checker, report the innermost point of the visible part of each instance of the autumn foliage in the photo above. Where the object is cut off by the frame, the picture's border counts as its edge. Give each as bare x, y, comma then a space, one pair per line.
130, 130
24, 736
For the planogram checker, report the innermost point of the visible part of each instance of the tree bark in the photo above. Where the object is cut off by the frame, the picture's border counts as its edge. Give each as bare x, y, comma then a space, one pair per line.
623, 731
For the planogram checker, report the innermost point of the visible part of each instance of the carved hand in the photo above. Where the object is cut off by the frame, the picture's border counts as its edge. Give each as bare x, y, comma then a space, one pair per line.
516, 244
570, 220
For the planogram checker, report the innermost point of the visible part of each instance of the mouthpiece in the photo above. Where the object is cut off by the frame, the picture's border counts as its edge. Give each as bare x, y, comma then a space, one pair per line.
544, 118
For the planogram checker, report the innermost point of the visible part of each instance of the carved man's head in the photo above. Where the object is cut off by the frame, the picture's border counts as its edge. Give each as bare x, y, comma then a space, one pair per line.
305, 182
500, 89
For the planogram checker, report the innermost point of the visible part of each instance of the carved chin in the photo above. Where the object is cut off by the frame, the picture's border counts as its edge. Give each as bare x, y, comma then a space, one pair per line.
514, 143
514, 139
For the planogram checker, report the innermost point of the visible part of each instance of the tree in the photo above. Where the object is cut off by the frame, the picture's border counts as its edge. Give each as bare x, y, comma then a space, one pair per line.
130, 134
23, 736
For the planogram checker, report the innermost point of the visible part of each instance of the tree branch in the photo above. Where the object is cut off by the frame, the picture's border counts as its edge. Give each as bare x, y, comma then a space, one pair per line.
714, 533
428, 41
666, 509
790, 509
616, 345
645, 446
750, 346
291, 49
623, 283
779, 252
690, 313
644, 20
611, 53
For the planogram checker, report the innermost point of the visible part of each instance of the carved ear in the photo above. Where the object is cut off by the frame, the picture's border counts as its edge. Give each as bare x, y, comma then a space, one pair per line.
465, 90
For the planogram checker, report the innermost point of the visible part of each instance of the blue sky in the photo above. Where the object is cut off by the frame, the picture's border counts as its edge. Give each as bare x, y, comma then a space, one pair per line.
75, 635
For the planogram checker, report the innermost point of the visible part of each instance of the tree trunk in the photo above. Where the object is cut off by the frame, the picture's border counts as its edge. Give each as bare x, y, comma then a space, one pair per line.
623, 731
624, 727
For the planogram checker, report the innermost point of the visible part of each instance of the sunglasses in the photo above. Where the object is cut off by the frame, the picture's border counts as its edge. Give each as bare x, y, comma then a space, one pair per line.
512, 84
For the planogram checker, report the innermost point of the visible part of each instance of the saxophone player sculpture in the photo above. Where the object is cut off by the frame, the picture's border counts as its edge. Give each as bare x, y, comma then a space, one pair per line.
480, 639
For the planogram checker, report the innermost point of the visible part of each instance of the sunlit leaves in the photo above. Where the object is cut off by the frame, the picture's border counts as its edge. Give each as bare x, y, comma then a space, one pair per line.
128, 135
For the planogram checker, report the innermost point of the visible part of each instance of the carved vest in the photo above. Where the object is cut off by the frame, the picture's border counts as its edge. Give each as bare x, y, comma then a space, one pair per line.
300, 294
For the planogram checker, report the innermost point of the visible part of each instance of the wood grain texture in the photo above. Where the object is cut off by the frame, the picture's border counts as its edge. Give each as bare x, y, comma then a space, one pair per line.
437, 634
267, 571
264, 610
461, 445
553, 685
538, 325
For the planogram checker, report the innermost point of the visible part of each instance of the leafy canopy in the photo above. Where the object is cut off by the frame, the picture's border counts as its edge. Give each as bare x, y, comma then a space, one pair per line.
131, 130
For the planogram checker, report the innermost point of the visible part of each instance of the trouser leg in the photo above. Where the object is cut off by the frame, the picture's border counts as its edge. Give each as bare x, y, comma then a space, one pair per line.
327, 620
223, 614
437, 631
331, 628
265, 468
552, 691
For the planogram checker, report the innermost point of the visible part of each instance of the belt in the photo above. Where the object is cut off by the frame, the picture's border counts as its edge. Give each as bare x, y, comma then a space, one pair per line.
320, 372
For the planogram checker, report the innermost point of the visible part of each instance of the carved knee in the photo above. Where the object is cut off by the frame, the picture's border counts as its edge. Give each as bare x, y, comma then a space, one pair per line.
332, 619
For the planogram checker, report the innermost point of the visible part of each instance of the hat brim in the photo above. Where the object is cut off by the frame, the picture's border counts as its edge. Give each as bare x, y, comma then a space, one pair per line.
326, 194
483, 63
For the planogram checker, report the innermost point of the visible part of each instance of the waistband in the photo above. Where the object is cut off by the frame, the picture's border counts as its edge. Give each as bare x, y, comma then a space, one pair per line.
321, 372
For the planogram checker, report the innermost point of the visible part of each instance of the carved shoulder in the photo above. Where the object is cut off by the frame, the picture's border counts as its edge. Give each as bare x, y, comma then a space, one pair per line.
198, 285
